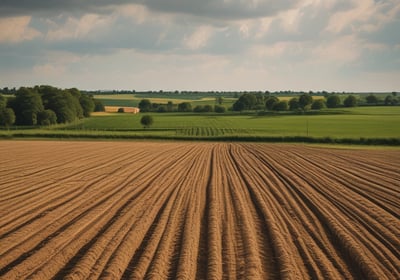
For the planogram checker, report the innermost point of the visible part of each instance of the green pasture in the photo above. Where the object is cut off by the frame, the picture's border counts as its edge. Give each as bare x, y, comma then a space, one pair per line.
345, 123
366, 122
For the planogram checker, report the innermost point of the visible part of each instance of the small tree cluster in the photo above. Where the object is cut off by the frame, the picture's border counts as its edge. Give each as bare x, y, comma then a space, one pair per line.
249, 101
45, 105
145, 106
333, 101
185, 107
350, 101
203, 109
372, 99
391, 100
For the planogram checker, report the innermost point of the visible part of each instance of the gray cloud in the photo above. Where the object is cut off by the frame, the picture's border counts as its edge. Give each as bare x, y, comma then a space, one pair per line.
246, 38
230, 10
50, 7
234, 9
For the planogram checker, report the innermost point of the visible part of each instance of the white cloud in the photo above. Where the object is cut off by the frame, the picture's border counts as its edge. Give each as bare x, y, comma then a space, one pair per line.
76, 28
340, 50
199, 38
138, 13
365, 15
17, 29
290, 19
169, 44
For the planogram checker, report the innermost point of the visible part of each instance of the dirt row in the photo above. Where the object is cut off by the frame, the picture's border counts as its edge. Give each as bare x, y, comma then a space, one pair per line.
164, 210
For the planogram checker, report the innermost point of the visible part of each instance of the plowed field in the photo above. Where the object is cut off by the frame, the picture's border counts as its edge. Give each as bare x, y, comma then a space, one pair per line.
136, 210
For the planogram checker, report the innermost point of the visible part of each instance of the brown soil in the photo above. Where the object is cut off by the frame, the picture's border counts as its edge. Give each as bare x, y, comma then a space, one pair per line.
138, 210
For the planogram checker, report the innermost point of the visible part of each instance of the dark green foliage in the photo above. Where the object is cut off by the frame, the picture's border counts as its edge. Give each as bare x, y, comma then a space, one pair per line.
47, 117
208, 108
372, 99
219, 109
184, 107
26, 105
305, 100
238, 106
7, 117
87, 105
281, 106
294, 104
333, 101
145, 105
162, 109
350, 101
198, 109
391, 100
318, 104
246, 101
65, 103
99, 106
271, 102
203, 109
146, 121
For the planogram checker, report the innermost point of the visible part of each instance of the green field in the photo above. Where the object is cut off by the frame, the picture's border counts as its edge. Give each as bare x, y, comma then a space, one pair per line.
355, 123
368, 122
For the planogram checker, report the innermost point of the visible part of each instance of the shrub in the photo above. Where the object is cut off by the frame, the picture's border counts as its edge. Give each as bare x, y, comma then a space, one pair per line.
318, 104
219, 109
350, 101
333, 101
372, 99
271, 102
281, 106
198, 109
305, 101
162, 109
294, 104
47, 117
185, 107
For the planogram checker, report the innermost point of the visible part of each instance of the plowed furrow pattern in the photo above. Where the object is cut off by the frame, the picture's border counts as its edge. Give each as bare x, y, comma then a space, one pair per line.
155, 210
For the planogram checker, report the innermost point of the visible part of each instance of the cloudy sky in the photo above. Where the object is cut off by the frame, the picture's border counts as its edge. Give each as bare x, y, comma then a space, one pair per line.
334, 45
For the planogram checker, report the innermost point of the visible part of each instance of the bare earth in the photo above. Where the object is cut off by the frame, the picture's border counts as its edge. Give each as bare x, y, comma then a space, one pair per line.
137, 210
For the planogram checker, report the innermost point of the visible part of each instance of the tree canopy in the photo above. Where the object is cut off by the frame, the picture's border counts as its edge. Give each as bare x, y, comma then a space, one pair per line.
305, 101
145, 105
146, 121
333, 101
246, 101
350, 101
44, 105
185, 107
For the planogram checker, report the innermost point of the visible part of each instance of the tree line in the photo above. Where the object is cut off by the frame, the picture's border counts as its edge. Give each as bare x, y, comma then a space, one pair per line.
145, 105
307, 102
45, 105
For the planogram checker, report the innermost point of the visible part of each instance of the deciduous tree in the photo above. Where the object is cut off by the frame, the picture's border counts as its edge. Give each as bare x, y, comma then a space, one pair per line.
146, 121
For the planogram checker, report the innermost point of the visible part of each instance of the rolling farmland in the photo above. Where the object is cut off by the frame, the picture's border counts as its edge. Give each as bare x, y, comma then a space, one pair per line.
183, 210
